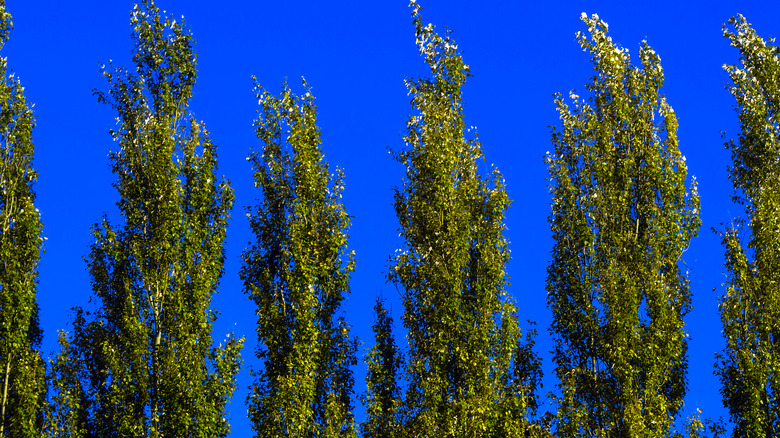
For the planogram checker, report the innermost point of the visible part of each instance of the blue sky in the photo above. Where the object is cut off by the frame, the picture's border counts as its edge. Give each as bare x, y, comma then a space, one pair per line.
355, 55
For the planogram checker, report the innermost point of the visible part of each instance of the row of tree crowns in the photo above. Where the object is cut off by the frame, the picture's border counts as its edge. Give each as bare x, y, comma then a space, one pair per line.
142, 362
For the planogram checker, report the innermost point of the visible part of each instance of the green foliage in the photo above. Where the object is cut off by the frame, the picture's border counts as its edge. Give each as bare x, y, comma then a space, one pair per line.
69, 417
696, 428
22, 384
622, 216
750, 308
142, 363
462, 329
383, 394
297, 273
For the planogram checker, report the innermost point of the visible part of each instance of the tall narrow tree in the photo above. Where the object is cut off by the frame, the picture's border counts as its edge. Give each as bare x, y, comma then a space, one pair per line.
22, 385
462, 329
383, 392
749, 368
146, 350
70, 410
297, 273
622, 216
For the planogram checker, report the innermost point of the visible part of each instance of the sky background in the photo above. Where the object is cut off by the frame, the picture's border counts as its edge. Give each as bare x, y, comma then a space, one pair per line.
355, 55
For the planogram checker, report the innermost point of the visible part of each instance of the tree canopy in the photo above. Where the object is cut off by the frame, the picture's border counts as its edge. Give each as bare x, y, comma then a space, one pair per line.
464, 338
297, 274
143, 362
623, 213
750, 306
140, 358
22, 384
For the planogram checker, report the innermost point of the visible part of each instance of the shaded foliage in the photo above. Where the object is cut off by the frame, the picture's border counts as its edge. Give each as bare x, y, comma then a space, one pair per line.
383, 392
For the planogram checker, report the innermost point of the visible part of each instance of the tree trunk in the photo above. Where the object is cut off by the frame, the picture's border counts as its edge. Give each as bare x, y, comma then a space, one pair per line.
5, 394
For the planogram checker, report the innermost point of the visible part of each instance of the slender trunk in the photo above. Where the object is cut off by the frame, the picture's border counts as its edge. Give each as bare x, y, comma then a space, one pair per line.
154, 408
155, 416
5, 394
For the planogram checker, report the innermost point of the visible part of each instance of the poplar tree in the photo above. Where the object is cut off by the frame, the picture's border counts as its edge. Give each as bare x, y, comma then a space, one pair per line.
463, 334
143, 364
749, 368
623, 213
22, 384
297, 274
383, 393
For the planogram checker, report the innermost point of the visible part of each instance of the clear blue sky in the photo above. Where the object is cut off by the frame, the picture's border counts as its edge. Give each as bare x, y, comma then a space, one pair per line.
356, 55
